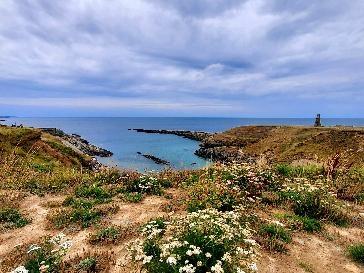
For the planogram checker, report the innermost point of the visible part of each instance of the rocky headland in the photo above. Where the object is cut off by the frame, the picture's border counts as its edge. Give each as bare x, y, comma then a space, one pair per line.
284, 144
280, 144
78, 143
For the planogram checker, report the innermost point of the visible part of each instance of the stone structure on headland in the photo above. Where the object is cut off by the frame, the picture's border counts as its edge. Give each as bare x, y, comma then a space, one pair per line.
318, 121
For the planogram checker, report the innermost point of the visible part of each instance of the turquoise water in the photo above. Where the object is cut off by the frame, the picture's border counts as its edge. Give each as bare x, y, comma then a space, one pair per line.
113, 134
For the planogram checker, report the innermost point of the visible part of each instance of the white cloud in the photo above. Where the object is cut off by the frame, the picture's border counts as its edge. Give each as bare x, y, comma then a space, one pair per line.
163, 50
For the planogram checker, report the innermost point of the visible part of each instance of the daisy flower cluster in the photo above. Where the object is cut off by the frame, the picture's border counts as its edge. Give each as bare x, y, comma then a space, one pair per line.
249, 177
200, 242
314, 199
225, 186
145, 184
45, 257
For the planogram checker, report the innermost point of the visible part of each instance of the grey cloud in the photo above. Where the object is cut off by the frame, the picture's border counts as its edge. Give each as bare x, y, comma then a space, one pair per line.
222, 50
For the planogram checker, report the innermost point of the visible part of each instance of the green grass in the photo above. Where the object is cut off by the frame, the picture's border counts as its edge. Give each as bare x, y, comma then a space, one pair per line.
11, 217
93, 191
356, 252
106, 235
84, 217
299, 171
316, 204
133, 197
88, 264
301, 222
275, 237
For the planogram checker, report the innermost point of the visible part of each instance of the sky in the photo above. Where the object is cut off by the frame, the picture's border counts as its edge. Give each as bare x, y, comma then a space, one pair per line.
206, 58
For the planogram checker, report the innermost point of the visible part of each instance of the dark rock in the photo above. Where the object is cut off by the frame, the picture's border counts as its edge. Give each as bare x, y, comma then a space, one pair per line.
155, 159
79, 143
193, 135
223, 154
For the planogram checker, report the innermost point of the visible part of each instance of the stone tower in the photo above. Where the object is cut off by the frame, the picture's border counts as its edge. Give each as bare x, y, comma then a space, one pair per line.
318, 121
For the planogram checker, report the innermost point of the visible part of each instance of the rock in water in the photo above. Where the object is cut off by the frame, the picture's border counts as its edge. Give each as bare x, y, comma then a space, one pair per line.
155, 159
199, 136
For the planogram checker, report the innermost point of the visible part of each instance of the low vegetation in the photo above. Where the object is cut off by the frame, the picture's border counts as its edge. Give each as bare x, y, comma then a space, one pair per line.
275, 237
223, 218
202, 241
12, 218
356, 252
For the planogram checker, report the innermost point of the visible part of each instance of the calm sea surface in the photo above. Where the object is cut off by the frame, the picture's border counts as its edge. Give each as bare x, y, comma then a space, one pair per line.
113, 134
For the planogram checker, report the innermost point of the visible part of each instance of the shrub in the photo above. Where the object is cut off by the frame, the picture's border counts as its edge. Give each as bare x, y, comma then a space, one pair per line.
356, 252
315, 201
145, 185
350, 186
313, 205
109, 176
297, 222
106, 235
310, 224
11, 217
308, 171
203, 241
43, 168
84, 217
134, 197
225, 186
45, 257
93, 191
275, 237
88, 264
79, 202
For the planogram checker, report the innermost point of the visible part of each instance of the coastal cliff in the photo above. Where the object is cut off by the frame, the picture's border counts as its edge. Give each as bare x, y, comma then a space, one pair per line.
284, 144
78, 143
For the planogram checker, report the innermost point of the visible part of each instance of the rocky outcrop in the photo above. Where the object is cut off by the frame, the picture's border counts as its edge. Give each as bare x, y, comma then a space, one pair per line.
156, 160
284, 144
223, 154
79, 143
193, 135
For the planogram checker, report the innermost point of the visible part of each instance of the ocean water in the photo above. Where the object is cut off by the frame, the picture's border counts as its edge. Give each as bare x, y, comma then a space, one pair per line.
113, 134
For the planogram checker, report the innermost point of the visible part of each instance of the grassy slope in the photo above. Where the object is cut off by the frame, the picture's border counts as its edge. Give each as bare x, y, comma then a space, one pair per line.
287, 144
38, 162
42, 148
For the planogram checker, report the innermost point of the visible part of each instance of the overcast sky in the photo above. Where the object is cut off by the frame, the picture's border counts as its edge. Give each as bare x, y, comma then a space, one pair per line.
247, 58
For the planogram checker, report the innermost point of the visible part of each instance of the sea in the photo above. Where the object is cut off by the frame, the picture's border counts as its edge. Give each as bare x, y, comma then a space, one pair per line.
113, 134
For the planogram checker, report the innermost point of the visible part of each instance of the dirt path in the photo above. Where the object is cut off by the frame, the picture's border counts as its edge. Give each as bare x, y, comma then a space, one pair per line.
31, 206
313, 254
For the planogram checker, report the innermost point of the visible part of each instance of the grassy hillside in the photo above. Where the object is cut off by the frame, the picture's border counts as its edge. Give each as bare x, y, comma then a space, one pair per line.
30, 159
288, 144
43, 148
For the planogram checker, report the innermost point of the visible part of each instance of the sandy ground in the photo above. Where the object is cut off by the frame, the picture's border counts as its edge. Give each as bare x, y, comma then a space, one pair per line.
310, 253
307, 252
